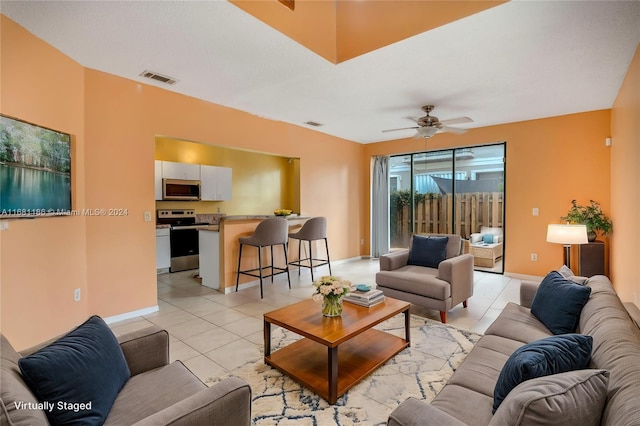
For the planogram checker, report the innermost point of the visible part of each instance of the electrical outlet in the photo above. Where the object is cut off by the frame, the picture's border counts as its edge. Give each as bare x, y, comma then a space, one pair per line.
362, 242
534, 257
4, 225
535, 211
76, 295
147, 216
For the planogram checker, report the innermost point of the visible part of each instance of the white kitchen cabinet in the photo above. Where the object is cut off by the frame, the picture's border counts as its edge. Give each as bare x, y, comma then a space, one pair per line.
215, 183
171, 170
158, 180
163, 250
209, 258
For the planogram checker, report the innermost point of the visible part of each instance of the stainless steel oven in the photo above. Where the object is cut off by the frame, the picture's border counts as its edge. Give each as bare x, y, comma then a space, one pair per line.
183, 238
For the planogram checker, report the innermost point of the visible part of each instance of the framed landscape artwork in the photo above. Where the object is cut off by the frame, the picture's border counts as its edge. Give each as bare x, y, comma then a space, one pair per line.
35, 170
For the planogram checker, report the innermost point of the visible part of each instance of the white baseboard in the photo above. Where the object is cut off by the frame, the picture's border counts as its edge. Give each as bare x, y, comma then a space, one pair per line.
523, 277
132, 314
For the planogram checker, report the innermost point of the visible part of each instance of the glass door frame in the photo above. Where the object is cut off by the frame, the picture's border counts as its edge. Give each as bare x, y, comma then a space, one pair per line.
452, 217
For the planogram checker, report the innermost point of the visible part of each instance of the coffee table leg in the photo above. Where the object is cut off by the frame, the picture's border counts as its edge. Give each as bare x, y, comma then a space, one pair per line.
267, 338
407, 328
333, 374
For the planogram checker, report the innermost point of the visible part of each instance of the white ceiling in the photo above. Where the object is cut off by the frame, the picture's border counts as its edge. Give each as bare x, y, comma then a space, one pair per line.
518, 61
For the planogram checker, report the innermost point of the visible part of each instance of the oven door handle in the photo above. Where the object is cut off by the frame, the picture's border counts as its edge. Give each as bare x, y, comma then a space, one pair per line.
187, 227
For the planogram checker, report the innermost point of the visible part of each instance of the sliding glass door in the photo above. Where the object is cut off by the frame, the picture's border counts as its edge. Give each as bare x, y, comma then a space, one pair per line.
458, 191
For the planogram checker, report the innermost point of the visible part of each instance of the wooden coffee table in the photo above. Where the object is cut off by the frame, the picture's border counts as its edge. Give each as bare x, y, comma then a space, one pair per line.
315, 360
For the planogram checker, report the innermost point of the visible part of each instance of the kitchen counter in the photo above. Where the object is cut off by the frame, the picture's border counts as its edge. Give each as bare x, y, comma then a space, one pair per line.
234, 227
261, 217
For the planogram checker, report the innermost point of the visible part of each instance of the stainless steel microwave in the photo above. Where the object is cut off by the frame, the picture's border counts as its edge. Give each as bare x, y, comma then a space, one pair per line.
180, 190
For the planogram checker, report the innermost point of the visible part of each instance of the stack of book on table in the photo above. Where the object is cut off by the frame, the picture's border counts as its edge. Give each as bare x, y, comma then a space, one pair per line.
367, 298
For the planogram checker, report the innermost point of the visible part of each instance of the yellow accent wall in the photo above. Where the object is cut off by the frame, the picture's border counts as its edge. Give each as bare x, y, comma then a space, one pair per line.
625, 186
261, 182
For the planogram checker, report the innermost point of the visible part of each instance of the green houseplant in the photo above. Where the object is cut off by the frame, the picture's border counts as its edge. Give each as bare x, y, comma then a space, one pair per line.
590, 215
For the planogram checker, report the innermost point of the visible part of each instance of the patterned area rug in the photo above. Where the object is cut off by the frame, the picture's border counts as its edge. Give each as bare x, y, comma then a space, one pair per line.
419, 371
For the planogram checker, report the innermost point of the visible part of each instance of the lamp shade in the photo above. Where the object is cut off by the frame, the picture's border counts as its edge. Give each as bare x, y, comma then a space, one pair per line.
427, 131
567, 234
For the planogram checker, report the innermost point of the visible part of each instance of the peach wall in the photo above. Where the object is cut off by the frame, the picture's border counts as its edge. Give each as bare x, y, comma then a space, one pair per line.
625, 186
43, 260
549, 162
114, 123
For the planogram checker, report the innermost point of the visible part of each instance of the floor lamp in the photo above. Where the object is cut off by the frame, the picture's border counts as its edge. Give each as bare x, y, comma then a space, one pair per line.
567, 234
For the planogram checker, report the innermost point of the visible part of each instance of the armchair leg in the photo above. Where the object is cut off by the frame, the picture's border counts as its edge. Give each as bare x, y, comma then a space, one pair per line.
443, 317
464, 304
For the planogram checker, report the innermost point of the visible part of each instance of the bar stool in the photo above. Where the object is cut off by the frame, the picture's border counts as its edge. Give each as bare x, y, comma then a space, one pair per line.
268, 233
313, 229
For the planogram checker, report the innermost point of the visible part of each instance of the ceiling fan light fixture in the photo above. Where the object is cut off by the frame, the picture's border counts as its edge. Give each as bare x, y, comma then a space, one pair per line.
427, 132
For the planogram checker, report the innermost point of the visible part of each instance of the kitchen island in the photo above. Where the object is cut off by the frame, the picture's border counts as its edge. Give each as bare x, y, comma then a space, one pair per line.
220, 269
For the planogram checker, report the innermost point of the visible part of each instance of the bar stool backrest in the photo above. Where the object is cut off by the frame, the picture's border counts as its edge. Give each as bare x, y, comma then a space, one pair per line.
313, 229
269, 232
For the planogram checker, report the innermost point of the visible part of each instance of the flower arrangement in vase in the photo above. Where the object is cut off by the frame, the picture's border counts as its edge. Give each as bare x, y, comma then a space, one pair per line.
592, 216
330, 290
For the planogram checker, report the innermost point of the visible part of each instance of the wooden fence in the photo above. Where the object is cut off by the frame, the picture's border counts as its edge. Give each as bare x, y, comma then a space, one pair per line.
434, 215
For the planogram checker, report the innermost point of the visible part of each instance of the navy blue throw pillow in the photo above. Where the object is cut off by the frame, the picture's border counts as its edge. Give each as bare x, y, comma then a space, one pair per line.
427, 251
558, 303
544, 357
79, 375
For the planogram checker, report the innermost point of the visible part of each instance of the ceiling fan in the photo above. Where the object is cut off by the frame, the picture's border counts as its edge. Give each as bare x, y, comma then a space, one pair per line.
429, 125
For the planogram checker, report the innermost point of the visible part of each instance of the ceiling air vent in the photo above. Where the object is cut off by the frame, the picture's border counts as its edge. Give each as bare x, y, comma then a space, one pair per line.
158, 77
313, 123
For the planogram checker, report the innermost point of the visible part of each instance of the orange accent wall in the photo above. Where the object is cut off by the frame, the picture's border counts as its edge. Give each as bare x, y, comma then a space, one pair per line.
625, 186
364, 26
318, 15
549, 162
339, 30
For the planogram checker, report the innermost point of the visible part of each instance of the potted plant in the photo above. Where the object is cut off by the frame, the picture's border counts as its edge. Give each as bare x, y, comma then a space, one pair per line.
590, 215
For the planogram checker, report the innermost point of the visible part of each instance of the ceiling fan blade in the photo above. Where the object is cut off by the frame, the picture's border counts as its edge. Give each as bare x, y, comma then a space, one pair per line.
459, 120
453, 130
402, 128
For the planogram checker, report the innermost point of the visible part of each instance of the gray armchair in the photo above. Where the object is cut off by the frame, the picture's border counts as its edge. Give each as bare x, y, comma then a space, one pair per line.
438, 288
158, 393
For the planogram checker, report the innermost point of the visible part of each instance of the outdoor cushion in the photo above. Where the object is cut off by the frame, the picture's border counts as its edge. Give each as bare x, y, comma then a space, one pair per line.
86, 366
428, 251
558, 303
551, 355
575, 398
487, 238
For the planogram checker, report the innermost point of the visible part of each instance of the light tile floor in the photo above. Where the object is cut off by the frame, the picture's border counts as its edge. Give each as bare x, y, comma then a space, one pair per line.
213, 333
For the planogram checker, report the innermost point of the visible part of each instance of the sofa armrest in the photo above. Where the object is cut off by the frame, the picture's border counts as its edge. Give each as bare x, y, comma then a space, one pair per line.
145, 349
633, 311
414, 412
528, 291
225, 403
395, 260
458, 271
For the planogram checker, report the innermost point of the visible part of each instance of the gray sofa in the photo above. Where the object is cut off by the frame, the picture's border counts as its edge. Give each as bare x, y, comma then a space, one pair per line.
468, 396
158, 393
438, 288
